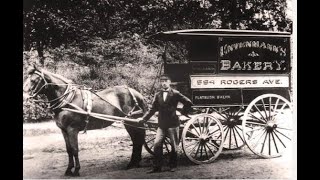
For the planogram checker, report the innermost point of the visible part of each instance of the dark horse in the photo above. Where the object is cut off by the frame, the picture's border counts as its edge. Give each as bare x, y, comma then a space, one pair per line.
61, 93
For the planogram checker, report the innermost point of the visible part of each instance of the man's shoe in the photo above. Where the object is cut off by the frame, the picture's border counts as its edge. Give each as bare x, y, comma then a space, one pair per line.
172, 169
154, 171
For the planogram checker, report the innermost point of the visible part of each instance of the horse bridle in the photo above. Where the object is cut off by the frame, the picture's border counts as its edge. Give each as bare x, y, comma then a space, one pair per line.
59, 99
34, 88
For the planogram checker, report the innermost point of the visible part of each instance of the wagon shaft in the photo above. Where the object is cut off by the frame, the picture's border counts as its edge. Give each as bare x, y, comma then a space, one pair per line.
102, 116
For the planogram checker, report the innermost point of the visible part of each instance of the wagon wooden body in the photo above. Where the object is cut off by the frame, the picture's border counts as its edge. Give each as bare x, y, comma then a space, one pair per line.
240, 84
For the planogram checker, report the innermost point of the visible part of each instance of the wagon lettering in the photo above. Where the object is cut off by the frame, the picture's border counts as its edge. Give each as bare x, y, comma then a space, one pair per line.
228, 48
270, 81
277, 65
224, 97
257, 65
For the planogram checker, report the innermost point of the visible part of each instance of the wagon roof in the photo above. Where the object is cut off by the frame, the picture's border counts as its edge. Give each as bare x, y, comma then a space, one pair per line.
217, 32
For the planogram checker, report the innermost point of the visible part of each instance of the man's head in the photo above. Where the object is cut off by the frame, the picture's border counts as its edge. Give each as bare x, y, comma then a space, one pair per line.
165, 81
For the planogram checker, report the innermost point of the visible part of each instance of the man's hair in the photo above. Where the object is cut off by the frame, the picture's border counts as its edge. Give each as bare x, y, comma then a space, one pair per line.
165, 77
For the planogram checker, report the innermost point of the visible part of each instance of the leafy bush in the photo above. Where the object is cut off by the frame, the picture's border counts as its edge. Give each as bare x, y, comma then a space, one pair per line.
99, 64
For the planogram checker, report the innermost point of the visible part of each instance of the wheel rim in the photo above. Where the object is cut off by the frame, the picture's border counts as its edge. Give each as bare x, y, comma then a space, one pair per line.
202, 139
231, 122
268, 120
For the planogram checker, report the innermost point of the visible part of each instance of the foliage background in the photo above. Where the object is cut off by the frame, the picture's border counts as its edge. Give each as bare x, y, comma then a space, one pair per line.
102, 43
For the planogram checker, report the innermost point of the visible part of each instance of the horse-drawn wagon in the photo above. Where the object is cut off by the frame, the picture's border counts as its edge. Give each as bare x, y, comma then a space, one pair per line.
238, 81
240, 84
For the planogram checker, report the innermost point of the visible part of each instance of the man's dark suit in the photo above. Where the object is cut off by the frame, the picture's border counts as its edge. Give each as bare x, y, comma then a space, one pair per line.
167, 109
168, 123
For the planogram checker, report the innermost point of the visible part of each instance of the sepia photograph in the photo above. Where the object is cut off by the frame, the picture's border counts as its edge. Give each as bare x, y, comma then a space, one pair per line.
159, 89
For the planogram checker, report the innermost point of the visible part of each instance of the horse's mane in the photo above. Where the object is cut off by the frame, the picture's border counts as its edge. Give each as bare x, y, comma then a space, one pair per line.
58, 76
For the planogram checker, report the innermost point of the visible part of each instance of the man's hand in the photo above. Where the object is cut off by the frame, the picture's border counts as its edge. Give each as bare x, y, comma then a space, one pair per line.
141, 120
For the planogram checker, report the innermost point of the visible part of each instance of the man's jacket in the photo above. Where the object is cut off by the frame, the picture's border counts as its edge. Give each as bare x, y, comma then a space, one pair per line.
167, 109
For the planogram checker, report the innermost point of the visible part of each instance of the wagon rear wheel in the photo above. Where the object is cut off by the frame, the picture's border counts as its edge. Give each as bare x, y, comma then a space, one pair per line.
268, 119
231, 122
202, 139
149, 141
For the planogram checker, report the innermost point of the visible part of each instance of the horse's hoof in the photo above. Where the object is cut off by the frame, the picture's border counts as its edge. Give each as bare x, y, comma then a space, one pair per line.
130, 166
68, 173
76, 174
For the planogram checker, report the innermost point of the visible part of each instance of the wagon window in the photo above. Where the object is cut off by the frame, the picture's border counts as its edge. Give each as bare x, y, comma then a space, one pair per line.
177, 52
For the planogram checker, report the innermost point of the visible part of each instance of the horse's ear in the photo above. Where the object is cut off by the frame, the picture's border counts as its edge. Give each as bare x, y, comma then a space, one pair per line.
35, 67
32, 68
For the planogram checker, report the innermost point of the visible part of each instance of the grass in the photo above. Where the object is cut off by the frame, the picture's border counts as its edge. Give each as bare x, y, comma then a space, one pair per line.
43, 128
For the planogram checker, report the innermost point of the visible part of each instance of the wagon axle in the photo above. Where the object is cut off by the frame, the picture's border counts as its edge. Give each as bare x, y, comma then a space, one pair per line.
270, 126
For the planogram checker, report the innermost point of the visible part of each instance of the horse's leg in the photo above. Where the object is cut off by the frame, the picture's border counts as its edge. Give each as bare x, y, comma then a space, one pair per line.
73, 138
137, 137
70, 154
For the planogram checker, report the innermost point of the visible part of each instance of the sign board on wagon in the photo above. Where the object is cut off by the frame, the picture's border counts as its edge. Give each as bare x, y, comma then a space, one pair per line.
261, 81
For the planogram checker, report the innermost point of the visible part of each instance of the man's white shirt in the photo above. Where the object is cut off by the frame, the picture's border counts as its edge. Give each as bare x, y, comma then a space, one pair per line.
165, 95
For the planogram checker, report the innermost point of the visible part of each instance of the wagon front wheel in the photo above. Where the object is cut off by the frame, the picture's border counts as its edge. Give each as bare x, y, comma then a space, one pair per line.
268, 120
149, 141
202, 139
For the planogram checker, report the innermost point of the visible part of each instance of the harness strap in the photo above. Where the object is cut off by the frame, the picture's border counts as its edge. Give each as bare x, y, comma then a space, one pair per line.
87, 103
136, 104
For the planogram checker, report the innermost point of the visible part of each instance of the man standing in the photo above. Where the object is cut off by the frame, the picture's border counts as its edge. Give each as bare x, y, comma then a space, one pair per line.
166, 101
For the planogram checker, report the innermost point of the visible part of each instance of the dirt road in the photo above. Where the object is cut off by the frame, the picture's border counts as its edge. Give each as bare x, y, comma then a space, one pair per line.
105, 153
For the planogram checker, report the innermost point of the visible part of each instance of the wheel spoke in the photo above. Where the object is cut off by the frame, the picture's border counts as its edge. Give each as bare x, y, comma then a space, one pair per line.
213, 145
234, 135
269, 144
270, 108
255, 129
226, 135
284, 128
196, 145
275, 143
264, 141
257, 142
204, 124
152, 139
205, 150
276, 105
230, 136
151, 146
191, 144
265, 110
237, 113
201, 151
222, 115
187, 138
260, 113
197, 151
166, 145
196, 135
255, 117
209, 149
280, 140
196, 130
281, 109
211, 133
208, 127
282, 134
255, 123
199, 126
238, 134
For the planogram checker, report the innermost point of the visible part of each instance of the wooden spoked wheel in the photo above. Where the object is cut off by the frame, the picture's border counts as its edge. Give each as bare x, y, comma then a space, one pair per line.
269, 120
232, 126
149, 141
202, 139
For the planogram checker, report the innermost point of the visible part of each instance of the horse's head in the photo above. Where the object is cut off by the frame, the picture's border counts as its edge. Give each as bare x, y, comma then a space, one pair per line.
35, 83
